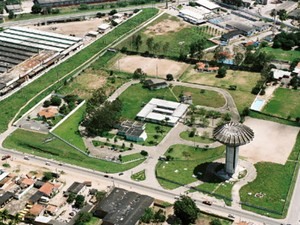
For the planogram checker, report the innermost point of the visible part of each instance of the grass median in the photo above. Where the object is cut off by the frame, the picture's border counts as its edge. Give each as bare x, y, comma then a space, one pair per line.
11, 105
36, 144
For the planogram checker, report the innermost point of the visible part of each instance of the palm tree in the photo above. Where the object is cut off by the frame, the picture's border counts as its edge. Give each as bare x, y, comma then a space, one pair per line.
274, 14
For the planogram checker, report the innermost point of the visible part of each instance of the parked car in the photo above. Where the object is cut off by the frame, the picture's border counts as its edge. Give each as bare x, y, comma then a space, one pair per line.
230, 216
207, 202
47, 163
5, 157
26, 157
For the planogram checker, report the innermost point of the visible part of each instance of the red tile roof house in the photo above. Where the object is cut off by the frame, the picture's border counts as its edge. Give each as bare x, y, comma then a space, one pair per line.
202, 67
50, 189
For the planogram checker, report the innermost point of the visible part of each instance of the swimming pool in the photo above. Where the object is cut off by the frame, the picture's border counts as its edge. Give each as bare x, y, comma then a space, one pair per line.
257, 104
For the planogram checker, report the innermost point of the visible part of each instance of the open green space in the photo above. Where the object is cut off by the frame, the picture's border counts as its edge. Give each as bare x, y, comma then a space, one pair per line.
68, 130
282, 54
201, 97
116, 147
153, 136
135, 156
41, 145
135, 97
178, 35
284, 103
244, 80
206, 219
201, 139
182, 169
276, 183
139, 176
9, 107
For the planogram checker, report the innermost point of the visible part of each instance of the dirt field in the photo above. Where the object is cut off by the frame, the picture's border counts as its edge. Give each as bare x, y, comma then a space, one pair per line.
273, 142
151, 66
79, 28
165, 27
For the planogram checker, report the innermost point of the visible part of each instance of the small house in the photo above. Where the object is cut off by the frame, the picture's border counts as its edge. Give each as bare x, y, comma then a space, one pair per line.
103, 28
279, 74
153, 84
75, 188
133, 130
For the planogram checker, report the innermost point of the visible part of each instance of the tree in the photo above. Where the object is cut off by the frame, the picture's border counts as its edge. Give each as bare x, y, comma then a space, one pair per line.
112, 12
83, 218
186, 210
148, 215
215, 222
11, 14
98, 98
169, 77
149, 43
238, 58
156, 47
71, 198
100, 195
46, 103
282, 13
137, 41
36, 8
55, 100
144, 153
47, 176
274, 14
222, 72
197, 47
79, 201
159, 216
138, 74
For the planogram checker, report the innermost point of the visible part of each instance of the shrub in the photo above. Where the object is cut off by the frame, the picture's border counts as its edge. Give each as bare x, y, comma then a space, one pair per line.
144, 153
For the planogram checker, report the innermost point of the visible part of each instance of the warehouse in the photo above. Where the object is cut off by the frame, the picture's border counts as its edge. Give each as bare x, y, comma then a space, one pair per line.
24, 52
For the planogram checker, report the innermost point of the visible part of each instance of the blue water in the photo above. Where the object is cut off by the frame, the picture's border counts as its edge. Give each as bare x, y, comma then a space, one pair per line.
257, 104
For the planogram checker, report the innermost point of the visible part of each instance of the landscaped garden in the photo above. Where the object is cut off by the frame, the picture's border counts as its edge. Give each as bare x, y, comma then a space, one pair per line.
51, 148
181, 165
243, 80
168, 36
186, 135
9, 107
139, 176
285, 103
273, 187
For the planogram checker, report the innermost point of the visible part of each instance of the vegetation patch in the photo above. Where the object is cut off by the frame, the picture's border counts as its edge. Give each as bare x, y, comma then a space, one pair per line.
9, 107
273, 186
287, 55
200, 96
243, 80
48, 147
285, 103
181, 165
68, 130
139, 176
200, 139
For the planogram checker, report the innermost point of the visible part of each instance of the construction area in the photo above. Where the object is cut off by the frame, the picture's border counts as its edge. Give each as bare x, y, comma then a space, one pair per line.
25, 52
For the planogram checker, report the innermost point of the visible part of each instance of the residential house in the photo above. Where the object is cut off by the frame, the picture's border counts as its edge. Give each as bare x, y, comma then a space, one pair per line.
103, 27
35, 211
49, 189
75, 188
202, 67
296, 70
5, 198
153, 84
279, 74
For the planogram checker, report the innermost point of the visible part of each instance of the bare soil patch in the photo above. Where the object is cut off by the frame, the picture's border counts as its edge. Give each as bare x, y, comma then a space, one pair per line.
79, 28
164, 27
151, 66
273, 142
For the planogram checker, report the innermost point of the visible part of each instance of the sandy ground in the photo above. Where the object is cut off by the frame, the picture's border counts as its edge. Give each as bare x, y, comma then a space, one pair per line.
273, 142
151, 66
79, 28
165, 26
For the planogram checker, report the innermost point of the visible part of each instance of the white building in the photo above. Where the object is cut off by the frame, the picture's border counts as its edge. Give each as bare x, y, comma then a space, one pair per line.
194, 15
162, 111
103, 27
279, 74
207, 4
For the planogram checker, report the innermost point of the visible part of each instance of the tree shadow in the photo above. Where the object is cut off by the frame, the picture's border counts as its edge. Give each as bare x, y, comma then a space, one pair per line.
207, 172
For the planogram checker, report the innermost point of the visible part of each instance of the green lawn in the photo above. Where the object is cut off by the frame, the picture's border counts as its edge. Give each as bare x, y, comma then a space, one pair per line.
203, 98
68, 130
200, 139
179, 38
93, 221
10, 106
282, 54
151, 132
135, 97
244, 80
284, 103
180, 171
135, 156
276, 181
110, 144
139, 176
34, 143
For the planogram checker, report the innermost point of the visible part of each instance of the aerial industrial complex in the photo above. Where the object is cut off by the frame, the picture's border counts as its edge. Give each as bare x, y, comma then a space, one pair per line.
126, 113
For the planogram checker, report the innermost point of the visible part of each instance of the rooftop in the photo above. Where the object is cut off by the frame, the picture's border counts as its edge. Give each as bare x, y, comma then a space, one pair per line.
36, 209
76, 187
47, 188
49, 112
278, 74
207, 4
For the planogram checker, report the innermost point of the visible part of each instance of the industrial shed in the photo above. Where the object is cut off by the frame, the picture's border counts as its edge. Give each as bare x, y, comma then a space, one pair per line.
24, 52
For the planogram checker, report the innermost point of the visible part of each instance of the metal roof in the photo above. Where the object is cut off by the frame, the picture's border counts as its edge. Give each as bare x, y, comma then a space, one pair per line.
233, 134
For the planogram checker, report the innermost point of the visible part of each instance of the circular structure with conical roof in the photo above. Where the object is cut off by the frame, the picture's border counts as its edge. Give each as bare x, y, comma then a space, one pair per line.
233, 135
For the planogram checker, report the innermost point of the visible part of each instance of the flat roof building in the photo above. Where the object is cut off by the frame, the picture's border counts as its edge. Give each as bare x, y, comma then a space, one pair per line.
162, 111
122, 207
194, 15
133, 130
207, 4
75, 188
